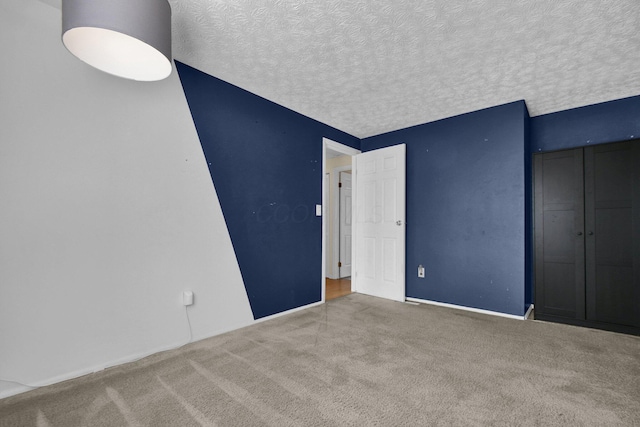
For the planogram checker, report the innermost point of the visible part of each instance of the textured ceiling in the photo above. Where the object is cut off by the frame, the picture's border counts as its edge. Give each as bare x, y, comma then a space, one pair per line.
372, 66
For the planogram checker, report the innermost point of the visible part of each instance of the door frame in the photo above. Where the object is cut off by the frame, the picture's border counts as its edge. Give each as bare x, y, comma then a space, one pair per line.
328, 144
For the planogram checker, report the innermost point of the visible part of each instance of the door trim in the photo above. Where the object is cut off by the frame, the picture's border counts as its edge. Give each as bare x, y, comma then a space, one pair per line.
328, 144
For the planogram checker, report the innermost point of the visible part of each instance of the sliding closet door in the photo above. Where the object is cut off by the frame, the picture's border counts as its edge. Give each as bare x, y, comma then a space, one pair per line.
559, 234
612, 225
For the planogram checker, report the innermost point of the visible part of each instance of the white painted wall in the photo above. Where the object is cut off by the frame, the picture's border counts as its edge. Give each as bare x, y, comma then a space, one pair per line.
107, 213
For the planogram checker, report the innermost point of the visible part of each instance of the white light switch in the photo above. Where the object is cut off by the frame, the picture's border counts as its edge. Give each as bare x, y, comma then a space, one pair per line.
318, 210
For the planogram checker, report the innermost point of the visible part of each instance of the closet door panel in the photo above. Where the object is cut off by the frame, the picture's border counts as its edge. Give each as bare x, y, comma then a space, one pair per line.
635, 229
611, 223
614, 302
559, 226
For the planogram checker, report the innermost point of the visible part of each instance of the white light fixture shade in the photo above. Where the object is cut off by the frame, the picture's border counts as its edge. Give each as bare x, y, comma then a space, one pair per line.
126, 38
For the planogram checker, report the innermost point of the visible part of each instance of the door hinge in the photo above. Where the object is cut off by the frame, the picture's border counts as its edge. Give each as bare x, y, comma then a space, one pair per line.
339, 264
339, 185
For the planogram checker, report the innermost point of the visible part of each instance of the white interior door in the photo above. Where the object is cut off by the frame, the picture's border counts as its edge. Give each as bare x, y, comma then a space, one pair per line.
379, 221
345, 225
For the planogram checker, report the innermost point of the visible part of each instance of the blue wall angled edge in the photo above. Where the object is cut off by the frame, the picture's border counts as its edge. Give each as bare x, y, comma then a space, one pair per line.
266, 164
611, 121
466, 207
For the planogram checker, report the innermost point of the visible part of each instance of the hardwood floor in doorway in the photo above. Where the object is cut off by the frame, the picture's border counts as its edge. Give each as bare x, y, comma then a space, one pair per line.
336, 288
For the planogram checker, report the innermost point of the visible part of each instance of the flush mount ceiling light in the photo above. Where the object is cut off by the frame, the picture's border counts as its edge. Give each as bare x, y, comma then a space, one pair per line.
126, 38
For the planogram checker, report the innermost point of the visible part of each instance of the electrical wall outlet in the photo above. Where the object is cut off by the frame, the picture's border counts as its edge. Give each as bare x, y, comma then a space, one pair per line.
421, 271
187, 298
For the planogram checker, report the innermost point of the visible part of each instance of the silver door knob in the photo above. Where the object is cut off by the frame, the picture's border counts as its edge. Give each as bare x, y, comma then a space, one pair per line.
398, 222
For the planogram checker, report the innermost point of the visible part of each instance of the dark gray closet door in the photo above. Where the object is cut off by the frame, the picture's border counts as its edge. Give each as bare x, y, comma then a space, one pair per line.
612, 225
559, 234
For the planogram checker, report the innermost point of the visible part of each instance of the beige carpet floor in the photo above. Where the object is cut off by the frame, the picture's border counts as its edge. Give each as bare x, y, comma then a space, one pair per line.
359, 361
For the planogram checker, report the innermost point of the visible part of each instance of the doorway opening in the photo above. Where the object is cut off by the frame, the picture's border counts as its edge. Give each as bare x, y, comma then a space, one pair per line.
336, 219
336, 288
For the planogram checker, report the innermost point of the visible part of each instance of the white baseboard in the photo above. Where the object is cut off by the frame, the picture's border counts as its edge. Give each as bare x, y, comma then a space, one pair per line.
12, 391
528, 313
475, 310
293, 310
21, 387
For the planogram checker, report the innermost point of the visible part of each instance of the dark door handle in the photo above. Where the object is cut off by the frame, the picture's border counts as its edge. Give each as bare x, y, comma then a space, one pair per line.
579, 233
591, 233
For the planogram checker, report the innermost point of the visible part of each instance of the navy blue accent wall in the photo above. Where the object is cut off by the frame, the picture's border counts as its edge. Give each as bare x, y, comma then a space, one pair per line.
611, 121
466, 207
266, 164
